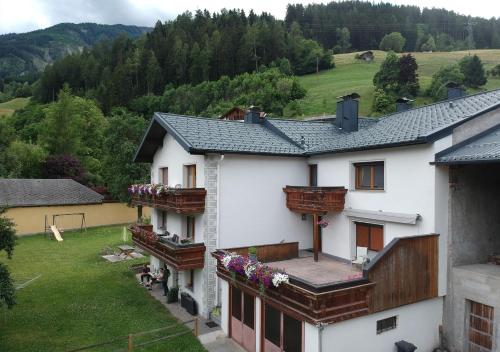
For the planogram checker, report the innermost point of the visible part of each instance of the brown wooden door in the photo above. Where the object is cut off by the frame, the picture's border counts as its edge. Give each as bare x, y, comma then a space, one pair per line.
243, 319
190, 176
480, 327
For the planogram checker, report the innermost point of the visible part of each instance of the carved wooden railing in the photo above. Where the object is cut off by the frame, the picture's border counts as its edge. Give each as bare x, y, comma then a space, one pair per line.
179, 200
315, 200
180, 256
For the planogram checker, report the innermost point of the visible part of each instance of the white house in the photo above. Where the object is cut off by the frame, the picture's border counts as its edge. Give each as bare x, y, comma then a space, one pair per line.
270, 184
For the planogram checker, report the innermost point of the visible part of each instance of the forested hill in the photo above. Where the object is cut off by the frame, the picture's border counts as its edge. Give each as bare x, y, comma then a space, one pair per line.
27, 54
367, 23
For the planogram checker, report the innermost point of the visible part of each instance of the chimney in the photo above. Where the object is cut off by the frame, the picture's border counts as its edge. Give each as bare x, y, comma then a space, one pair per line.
403, 104
454, 90
253, 115
347, 112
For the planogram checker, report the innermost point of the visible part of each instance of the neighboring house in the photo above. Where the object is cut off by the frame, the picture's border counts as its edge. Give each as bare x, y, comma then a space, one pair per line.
367, 56
269, 183
35, 203
238, 114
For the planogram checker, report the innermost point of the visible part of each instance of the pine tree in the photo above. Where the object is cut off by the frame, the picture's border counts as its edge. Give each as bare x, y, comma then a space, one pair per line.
473, 71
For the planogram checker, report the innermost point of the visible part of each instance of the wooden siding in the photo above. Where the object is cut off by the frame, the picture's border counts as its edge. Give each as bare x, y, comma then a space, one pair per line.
179, 256
271, 252
179, 200
315, 200
405, 272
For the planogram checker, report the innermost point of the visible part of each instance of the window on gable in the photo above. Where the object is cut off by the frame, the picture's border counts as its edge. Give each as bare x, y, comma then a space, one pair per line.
387, 324
369, 176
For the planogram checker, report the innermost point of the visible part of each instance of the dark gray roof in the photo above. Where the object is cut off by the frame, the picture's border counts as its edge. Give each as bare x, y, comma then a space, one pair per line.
302, 138
482, 148
42, 192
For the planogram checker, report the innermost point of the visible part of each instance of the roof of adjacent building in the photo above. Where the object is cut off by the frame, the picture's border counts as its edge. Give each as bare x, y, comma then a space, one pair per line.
482, 148
303, 138
45, 192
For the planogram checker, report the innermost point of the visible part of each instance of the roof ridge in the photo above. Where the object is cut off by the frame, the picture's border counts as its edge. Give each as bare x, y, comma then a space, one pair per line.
437, 103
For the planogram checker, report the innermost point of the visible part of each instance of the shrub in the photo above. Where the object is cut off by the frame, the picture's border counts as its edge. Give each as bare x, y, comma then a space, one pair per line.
393, 41
446, 74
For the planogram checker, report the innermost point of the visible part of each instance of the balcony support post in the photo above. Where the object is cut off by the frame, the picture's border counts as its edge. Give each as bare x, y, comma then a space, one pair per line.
139, 214
315, 237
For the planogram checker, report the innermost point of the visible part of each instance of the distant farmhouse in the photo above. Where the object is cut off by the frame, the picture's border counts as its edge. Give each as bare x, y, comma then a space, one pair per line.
35, 204
367, 56
237, 114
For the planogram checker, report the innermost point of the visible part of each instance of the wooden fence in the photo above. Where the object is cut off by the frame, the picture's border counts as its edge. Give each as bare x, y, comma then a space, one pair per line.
131, 343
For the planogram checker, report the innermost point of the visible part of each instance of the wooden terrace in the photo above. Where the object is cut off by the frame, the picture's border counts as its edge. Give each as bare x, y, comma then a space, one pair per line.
332, 290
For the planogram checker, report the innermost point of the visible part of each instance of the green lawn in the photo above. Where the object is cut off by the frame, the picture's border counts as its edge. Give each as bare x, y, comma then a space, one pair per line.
351, 75
10, 106
80, 299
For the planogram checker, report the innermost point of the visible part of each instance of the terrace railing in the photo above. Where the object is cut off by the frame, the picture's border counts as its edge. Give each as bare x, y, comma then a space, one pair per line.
181, 256
179, 200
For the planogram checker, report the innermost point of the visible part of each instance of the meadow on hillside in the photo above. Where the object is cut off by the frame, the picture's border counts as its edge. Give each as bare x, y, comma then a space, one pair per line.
8, 108
351, 75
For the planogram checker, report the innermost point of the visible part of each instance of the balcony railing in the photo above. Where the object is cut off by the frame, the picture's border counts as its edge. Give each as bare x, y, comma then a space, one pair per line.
181, 256
179, 200
315, 200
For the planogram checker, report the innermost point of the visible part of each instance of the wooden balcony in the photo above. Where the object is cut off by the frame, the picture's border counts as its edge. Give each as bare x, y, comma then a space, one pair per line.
315, 200
181, 200
180, 256
404, 272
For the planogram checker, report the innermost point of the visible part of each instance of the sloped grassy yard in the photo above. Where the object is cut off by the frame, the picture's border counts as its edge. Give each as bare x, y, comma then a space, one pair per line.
80, 299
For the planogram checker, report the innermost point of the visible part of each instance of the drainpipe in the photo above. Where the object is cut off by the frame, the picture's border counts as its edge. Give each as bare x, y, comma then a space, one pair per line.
321, 327
219, 169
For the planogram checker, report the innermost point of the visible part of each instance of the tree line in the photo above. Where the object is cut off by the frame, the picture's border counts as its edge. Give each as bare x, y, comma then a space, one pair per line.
191, 49
367, 23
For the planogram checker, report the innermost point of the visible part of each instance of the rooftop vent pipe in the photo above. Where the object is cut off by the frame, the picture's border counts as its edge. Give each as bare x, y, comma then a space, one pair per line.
403, 104
347, 112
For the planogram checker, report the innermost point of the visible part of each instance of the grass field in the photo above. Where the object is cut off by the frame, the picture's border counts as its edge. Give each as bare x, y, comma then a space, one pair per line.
351, 75
80, 299
10, 106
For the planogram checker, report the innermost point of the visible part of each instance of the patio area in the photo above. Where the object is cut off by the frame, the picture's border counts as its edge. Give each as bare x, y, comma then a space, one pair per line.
326, 270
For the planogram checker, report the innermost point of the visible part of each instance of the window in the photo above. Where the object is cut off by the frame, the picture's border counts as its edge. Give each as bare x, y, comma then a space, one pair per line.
273, 325
248, 310
387, 324
313, 175
236, 303
190, 280
282, 331
480, 326
190, 225
370, 236
164, 176
162, 220
369, 176
190, 176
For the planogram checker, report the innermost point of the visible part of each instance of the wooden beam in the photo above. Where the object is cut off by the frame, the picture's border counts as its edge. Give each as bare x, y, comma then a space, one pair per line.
315, 237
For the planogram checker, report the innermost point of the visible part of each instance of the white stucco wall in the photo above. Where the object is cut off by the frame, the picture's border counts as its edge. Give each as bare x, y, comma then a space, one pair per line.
412, 186
416, 323
252, 202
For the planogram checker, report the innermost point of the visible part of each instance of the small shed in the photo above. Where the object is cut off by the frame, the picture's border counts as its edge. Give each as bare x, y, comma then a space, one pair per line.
31, 202
367, 56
